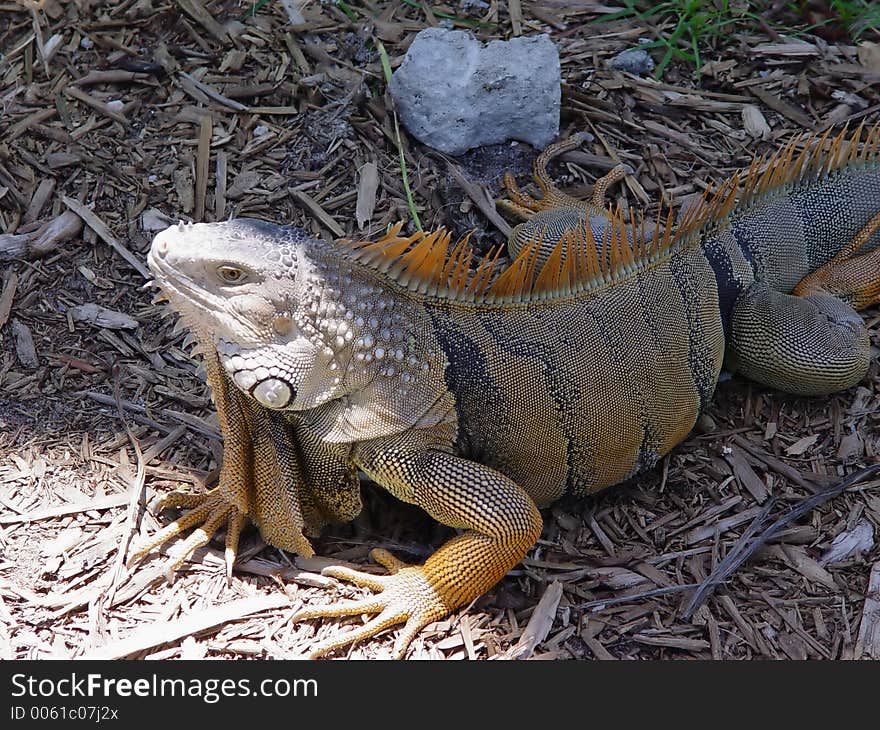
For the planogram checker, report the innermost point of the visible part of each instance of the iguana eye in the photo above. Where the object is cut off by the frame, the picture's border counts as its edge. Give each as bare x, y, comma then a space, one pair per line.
230, 274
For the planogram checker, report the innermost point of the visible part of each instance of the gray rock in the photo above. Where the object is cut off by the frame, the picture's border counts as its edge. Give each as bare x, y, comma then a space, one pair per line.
634, 60
455, 93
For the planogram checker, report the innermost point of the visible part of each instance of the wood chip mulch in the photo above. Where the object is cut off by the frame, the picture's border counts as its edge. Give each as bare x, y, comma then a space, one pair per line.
118, 118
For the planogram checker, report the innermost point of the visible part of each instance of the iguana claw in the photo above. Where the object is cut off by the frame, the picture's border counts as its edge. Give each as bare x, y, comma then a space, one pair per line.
208, 512
406, 596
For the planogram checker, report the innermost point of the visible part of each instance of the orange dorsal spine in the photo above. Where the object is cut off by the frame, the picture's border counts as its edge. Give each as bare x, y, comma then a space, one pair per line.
424, 262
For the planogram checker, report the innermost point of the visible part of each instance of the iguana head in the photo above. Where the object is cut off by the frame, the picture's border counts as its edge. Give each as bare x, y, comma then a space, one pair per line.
248, 289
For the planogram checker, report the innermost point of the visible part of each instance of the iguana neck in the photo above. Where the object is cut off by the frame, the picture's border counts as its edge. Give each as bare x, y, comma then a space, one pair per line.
376, 345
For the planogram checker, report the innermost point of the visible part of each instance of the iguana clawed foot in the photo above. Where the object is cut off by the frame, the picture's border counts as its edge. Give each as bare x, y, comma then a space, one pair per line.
524, 206
406, 596
208, 513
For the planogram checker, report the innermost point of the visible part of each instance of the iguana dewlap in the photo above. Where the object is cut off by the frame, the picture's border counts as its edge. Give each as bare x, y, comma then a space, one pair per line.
481, 391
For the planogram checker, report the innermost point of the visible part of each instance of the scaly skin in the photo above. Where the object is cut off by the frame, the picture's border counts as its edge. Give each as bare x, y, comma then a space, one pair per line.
481, 396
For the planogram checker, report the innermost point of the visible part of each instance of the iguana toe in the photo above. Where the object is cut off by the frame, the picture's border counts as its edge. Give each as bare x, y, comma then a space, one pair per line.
208, 513
404, 597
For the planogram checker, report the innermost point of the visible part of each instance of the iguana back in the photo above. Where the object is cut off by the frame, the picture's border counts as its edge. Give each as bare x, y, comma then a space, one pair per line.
583, 392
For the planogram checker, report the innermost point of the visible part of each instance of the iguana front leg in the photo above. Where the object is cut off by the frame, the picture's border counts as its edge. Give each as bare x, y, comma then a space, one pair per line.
500, 520
260, 480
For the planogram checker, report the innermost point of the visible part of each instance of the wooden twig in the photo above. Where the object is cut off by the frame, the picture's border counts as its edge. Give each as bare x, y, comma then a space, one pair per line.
477, 193
97, 225
163, 632
539, 624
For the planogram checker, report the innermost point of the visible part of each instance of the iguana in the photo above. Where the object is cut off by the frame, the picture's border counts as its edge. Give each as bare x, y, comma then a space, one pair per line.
480, 390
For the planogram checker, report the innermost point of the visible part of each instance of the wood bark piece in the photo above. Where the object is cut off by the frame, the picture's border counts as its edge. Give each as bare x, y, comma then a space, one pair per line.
193, 86
480, 197
783, 107
203, 159
164, 632
368, 184
7, 296
327, 220
102, 317
42, 195
97, 225
197, 11
539, 624
860, 539
24, 344
96, 104
41, 240
745, 475
113, 500
868, 641
776, 465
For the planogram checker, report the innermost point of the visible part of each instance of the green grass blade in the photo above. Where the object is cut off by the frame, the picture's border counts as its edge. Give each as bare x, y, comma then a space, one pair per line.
404, 175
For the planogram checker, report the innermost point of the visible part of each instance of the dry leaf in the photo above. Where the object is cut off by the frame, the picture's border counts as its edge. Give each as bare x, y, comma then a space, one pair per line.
754, 122
368, 184
869, 55
859, 539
